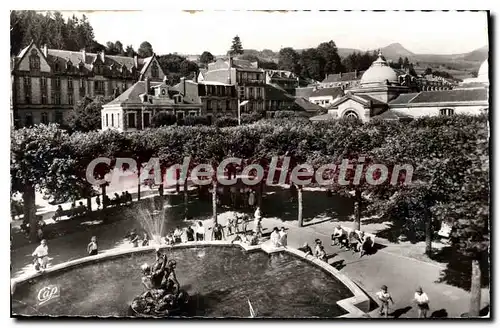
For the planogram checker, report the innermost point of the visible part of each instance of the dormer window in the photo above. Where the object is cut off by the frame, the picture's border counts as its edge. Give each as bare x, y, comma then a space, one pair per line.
124, 70
81, 66
34, 61
69, 65
57, 66
178, 99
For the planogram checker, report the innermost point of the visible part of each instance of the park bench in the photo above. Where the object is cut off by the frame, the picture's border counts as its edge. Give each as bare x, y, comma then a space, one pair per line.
77, 211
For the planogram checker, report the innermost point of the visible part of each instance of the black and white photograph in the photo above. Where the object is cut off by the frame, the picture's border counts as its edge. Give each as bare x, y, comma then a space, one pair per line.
250, 164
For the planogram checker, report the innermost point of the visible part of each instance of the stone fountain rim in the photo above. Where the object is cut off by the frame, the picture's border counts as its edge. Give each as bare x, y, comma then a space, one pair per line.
357, 305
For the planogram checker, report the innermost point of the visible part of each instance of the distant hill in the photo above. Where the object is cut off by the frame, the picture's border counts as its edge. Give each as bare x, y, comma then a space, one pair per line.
459, 65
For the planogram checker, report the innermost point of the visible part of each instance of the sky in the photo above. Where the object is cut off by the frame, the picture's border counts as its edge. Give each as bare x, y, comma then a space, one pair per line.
193, 33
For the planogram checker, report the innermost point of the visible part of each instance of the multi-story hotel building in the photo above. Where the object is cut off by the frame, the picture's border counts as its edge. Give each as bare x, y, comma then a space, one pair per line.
47, 83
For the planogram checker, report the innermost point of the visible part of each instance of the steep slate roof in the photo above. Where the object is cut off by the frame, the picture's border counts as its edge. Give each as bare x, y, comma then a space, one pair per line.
334, 92
349, 76
131, 95
456, 95
76, 57
362, 99
404, 98
374, 101
307, 105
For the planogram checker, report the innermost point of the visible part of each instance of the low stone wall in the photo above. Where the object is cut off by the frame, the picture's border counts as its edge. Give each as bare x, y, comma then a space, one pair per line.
357, 305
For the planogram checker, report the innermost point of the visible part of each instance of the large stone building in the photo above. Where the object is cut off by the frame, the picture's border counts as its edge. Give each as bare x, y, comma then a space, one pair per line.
135, 108
47, 83
248, 79
381, 93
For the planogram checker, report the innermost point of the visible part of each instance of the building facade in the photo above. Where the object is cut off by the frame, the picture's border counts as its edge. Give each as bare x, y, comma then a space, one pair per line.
248, 79
215, 98
47, 83
324, 97
135, 108
381, 93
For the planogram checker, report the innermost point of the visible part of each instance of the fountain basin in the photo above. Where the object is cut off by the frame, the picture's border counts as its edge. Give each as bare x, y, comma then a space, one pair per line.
219, 276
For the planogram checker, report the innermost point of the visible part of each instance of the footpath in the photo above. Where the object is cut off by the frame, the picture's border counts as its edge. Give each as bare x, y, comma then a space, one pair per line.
401, 267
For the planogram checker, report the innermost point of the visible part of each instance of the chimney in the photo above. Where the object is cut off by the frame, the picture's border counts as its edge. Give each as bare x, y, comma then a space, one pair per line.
45, 50
146, 85
136, 64
84, 55
229, 70
183, 81
195, 77
355, 73
340, 74
103, 56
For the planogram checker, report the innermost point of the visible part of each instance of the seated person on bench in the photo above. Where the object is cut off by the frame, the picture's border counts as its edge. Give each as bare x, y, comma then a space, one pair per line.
365, 244
353, 241
338, 235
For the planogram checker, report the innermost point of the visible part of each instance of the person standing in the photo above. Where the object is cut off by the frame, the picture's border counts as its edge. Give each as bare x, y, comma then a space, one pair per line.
258, 227
251, 199
190, 233
40, 227
92, 248
283, 237
217, 232
422, 301
384, 297
40, 256
200, 232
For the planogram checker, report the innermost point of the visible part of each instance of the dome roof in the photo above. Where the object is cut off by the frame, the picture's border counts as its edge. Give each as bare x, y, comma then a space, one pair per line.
378, 73
482, 74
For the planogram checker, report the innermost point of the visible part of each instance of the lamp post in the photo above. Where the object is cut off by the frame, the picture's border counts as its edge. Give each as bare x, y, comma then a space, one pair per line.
240, 103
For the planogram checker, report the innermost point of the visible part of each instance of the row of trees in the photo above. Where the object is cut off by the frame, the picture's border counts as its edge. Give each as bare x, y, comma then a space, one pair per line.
50, 29
313, 63
449, 156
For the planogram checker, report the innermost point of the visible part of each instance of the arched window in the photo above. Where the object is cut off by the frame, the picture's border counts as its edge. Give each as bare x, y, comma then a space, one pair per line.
154, 70
34, 61
351, 115
446, 111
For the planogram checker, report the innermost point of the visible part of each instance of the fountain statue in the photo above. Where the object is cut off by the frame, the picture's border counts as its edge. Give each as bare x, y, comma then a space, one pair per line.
163, 296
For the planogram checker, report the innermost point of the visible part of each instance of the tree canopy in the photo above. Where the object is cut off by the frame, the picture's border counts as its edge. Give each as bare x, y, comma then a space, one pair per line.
206, 57
145, 50
236, 47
